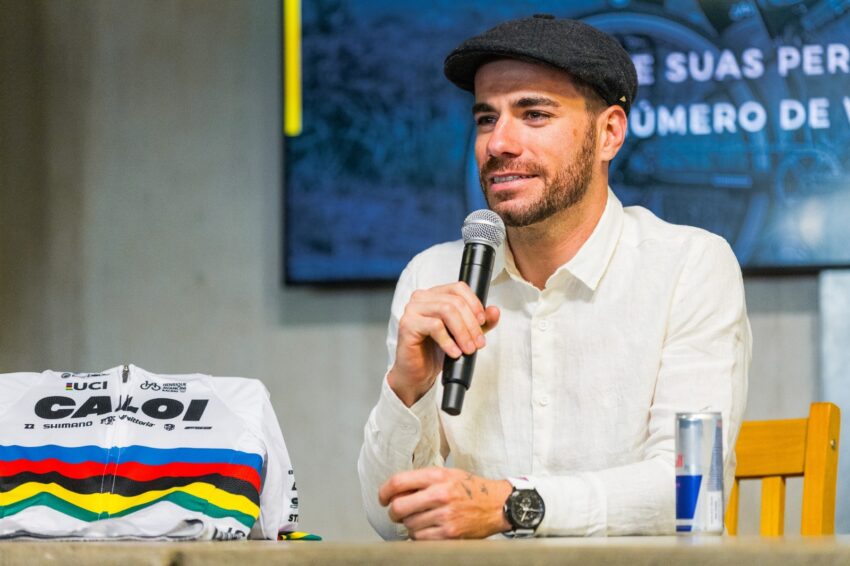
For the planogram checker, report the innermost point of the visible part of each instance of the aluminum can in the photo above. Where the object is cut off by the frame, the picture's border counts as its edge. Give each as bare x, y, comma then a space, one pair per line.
699, 473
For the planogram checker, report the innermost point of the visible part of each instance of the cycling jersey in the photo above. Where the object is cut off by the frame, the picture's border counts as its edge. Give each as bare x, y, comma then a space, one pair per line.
125, 453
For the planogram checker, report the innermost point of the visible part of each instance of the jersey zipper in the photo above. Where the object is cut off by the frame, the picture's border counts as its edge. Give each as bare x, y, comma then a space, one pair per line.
114, 452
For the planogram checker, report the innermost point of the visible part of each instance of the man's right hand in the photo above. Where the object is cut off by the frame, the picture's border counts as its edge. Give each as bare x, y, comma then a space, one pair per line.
445, 320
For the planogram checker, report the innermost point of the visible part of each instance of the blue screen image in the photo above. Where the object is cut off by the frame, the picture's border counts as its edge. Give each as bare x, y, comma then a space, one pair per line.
741, 126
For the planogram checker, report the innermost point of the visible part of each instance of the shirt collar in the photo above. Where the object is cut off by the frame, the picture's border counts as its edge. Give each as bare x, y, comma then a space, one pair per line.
591, 261
594, 256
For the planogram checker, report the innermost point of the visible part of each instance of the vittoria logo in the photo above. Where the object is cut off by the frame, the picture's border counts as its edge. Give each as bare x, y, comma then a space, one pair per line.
83, 385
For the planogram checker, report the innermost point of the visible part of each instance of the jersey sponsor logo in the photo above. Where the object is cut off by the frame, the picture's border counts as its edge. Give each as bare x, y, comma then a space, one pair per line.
168, 387
134, 420
59, 407
83, 385
70, 374
229, 534
78, 424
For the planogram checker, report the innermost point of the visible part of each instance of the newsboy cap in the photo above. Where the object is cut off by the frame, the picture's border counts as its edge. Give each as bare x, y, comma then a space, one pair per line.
570, 45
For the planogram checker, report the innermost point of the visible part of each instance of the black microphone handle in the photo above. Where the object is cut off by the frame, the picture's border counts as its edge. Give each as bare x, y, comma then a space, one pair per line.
476, 268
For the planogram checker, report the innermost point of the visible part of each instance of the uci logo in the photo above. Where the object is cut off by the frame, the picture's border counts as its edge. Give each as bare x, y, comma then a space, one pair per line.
82, 386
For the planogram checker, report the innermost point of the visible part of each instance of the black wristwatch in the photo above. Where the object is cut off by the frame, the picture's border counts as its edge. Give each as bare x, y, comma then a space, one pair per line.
524, 509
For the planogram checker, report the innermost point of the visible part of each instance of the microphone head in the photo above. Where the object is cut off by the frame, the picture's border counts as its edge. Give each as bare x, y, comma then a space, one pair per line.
484, 227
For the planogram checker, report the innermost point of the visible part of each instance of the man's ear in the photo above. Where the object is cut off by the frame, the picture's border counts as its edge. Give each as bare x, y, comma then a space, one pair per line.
612, 124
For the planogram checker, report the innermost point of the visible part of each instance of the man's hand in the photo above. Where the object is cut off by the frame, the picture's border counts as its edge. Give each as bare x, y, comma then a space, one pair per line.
443, 503
444, 320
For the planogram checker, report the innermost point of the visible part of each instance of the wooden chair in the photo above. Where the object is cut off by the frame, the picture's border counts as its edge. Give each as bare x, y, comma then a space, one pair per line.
774, 450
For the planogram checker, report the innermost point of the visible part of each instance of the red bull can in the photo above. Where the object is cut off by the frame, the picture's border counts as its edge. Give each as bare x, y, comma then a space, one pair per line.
699, 473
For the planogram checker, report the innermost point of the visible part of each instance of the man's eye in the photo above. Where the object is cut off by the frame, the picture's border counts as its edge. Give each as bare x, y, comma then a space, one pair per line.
535, 115
485, 120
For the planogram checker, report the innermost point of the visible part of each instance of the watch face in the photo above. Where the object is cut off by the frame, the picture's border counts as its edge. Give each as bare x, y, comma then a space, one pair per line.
525, 509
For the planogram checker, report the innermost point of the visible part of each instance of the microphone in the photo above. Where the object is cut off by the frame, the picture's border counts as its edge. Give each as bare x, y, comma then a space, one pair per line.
483, 231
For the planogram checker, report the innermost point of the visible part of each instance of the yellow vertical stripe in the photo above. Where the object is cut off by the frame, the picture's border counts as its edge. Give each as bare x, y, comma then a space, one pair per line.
292, 67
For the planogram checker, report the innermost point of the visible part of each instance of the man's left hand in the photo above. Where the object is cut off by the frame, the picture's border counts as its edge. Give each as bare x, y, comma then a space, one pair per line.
445, 503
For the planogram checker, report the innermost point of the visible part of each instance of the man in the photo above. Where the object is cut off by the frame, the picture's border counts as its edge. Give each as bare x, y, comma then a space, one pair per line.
602, 322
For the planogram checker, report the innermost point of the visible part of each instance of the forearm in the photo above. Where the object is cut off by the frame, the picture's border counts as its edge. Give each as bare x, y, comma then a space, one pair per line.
396, 438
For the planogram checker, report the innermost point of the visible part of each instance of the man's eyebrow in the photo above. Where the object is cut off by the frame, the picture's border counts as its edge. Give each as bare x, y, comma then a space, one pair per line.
481, 107
524, 102
529, 101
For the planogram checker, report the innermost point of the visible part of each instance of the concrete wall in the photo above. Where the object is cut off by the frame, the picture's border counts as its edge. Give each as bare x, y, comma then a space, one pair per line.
140, 197
784, 315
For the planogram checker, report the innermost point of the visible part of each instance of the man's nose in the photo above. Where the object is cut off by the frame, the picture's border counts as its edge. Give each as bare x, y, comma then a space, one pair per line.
504, 139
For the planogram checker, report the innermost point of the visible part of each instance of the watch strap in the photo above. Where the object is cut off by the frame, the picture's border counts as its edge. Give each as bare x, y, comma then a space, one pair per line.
519, 533
521, 482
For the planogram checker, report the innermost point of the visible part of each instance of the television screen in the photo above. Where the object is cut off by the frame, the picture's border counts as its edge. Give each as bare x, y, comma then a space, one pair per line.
741, 126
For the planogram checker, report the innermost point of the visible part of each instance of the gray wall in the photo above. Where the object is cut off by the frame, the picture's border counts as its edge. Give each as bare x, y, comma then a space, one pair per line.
140, 196
784, 372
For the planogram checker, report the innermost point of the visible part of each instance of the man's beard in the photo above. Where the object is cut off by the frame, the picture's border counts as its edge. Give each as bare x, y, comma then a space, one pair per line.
567, 188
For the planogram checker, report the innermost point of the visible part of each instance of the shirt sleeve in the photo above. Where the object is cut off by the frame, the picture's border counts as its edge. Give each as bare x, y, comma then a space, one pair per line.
279, 497
703, 367
397, 438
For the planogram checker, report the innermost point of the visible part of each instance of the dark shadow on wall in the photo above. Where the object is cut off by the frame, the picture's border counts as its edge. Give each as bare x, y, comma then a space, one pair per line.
23, 190
43, 92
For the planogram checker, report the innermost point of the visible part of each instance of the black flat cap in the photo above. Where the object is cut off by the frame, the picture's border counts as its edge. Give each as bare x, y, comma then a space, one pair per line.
575, 47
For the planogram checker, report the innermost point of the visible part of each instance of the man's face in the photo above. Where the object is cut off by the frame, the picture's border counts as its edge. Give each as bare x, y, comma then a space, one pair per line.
536, 142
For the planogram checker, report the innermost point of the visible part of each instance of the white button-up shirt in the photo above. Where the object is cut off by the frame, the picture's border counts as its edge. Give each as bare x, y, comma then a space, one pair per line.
579, 383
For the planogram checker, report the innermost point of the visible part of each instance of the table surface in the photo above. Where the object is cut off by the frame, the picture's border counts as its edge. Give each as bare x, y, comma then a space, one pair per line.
630, 551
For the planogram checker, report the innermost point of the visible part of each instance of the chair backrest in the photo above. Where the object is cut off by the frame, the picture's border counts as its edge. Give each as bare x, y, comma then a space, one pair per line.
774, 450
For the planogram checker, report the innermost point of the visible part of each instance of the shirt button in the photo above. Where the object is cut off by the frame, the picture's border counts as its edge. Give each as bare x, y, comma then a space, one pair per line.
543, 324
543, 400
